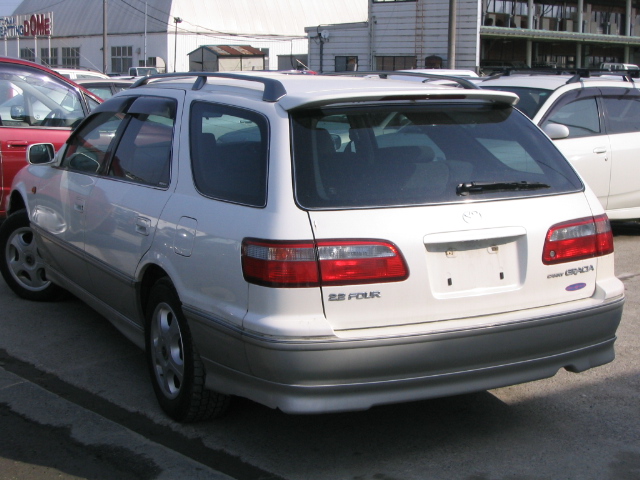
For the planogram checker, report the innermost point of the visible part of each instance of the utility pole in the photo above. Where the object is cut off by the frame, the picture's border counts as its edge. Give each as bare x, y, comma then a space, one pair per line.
177, 20
145, 34
104, 36
453, 8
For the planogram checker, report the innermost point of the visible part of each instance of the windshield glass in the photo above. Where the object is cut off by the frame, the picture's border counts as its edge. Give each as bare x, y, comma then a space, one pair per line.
416, 155
32, 98
531, 99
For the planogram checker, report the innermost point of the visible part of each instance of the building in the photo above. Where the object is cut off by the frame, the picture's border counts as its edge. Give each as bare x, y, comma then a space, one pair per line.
486, 33
217, 58
113, 35
325, 35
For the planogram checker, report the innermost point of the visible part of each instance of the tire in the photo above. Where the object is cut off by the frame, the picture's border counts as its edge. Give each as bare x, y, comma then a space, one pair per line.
21, 265
176, 370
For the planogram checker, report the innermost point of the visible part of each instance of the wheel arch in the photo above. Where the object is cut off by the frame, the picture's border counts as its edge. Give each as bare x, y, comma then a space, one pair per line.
151, 274
16, 202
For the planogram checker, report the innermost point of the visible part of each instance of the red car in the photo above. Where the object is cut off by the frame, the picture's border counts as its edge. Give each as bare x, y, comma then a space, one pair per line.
36, 105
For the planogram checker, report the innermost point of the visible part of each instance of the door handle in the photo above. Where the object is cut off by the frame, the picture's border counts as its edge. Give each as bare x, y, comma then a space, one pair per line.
143, 226
78, 205
600, 150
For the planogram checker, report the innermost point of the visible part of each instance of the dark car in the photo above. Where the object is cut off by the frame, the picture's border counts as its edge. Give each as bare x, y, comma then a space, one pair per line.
36, 105
105, 88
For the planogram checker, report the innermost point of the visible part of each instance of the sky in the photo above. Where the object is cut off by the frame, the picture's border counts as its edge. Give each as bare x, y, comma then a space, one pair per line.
8, 6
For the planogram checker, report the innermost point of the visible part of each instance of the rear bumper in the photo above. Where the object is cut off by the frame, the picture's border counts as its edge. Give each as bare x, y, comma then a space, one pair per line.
332, 375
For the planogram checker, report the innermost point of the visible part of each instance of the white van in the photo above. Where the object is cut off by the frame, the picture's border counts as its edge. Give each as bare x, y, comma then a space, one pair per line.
619, 66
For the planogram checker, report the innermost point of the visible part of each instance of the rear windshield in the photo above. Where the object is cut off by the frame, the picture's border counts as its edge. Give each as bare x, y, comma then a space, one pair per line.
418, 155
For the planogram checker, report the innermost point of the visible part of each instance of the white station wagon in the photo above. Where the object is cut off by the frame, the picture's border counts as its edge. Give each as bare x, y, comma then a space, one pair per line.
319, 244
594, 120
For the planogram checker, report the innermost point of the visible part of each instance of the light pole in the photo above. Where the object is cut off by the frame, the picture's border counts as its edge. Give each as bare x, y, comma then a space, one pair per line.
177, 20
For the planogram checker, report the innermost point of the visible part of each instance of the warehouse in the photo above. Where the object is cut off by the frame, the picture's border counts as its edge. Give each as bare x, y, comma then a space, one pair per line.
161, 33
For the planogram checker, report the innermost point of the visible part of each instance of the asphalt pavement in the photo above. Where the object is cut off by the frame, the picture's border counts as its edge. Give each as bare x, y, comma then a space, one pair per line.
45, 436
76, 403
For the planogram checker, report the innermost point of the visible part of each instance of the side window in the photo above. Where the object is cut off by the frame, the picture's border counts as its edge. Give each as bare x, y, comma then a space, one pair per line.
622, 112
143, 154
30, 98
580, 116
346, 64
91, 102
229, 151
87, 148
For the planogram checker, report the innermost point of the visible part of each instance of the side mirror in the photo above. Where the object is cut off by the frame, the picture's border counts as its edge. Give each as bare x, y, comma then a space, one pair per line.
40, 153
556, 131
17, 112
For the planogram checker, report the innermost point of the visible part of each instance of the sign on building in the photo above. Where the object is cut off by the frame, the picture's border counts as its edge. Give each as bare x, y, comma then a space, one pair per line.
27, 26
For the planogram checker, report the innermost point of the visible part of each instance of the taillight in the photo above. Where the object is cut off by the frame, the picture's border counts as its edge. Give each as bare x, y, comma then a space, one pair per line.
323, 263
578, 239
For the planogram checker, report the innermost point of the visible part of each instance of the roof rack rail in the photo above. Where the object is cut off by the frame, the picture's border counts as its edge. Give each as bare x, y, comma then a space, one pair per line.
273, 89
577, 73
508, 71
466, 84
626, 75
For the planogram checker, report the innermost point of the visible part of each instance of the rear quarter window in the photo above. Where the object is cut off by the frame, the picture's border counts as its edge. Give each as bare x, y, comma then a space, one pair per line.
622, 110
418, 155
229, 151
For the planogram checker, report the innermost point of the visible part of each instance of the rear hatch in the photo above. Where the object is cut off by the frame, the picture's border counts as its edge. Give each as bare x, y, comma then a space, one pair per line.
469, 196
463, 261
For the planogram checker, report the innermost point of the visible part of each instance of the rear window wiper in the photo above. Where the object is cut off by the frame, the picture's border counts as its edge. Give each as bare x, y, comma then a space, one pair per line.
471, 188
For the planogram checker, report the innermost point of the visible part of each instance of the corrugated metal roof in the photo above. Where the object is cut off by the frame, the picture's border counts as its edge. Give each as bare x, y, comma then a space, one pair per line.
232, 50
235, 17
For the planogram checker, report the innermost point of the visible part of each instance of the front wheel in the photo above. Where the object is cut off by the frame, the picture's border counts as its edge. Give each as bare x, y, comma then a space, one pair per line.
21, 264
176, 370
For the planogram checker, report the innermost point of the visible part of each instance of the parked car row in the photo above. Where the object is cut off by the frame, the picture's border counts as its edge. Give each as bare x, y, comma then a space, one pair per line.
319, 244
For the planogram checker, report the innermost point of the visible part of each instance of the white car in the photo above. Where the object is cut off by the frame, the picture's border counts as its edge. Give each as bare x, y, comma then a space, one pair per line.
595, 122
443, 71
319, 244
79, 73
